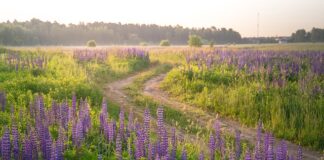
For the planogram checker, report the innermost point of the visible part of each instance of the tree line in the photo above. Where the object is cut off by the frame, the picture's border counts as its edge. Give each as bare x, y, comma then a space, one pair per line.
315, 35
37, 32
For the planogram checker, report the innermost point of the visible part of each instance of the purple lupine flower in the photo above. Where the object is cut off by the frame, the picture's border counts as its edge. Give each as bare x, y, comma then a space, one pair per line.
0, 145
139, 143
258, 152
33, 144
150, 151
147, 118
104, 115
163, 137
222, 148
61, 135
27, 150
64, 115
270, 154
164, 143
291, 157
81, 106
74, 101
79, 133
74, 133
184, 154
102, 120
119, 146
248, 155
40, 104
111, 131
15, 142
48, 145
157, 157
121, 123
166, 157
299, 153
85, 118
53, 152
160, 121
157, 148
201, 156
174, 144
55, 112
258, 148
266, 142
237, 144
271, 140
279, 155
212, 147
59, 149
105, 129
5, 145
284, 149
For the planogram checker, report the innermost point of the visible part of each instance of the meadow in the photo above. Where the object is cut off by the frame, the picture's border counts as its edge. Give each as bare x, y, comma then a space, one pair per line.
55, 104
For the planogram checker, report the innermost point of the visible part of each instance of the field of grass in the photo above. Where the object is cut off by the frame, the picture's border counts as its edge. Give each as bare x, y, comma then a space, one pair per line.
53, 104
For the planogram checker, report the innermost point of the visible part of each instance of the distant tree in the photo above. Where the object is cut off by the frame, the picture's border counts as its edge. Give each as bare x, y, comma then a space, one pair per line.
143, 44
194, 41
211, 44
91, 43
317, 35
299, 36
164, 43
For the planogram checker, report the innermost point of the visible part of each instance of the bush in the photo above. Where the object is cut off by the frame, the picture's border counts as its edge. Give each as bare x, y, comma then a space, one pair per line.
194, 41
143, 44
91, 43
164, 43
211, 44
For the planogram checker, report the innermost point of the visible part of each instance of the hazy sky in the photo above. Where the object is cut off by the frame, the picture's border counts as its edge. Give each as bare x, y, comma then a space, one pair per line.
277, 17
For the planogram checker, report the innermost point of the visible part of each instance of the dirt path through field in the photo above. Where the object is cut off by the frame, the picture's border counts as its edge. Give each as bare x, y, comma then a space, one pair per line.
151, 88
115, 92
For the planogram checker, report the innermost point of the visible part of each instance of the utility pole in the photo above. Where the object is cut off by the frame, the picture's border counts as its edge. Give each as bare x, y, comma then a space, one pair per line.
258, 24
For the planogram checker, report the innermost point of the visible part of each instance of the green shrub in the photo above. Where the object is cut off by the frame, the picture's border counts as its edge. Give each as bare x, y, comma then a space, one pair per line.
164, 43
211, 44
194, 41
91, 43
143, 44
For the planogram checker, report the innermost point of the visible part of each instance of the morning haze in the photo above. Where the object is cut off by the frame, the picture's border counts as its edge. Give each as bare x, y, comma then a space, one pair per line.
277, 17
